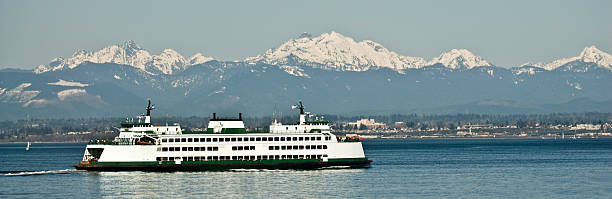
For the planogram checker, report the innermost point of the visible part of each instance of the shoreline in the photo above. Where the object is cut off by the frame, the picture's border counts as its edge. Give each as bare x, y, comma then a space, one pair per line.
399, 138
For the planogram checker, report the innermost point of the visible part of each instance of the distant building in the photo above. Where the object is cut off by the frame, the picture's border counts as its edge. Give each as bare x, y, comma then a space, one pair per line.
586, 127
369, 123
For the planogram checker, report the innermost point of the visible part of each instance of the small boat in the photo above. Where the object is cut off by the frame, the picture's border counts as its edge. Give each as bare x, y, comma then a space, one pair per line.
28, 146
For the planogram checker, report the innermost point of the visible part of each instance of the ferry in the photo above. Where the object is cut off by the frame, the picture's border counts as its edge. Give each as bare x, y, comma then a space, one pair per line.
224, 145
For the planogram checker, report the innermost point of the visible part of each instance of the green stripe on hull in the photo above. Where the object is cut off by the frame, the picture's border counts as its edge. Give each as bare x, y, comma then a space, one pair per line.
223, 164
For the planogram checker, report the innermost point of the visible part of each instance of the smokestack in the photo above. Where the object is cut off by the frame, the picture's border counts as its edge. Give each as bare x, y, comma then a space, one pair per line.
214, 116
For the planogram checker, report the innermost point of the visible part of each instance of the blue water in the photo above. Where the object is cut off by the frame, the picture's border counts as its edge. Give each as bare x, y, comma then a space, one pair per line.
459, 168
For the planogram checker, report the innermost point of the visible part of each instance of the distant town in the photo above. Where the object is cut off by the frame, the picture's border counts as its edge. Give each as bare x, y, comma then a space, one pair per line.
412, 126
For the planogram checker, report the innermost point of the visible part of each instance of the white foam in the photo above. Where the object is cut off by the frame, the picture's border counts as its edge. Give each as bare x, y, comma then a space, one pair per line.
27, 173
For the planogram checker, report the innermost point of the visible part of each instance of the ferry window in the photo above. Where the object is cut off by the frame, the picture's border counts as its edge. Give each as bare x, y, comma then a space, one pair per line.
295, 147
215, 157
234, 148
196, 139
239, 139
276, 147
189, 139
196, 158
164, 148
202, 148
164, 140
276, 139
319, 147
307, 147
171, 148
227, 139
264, 139
233, 139
183, 140
301, 156
252, 147
307, 156
286, 128
277, 157
196, 148
318, 138
284, 157
284, 147
288, 138
301, 147
209, 157
245, 139
312, 138
307, 138
295, 156
215, 148
282, 139
252, 157
184, 148
270, 147
222, 158
270, 139
324, 146
301, 138
171, 140
294, 138
240, 148
208, 139
259, 157
209, 148
164, 158
190, 149
171, 158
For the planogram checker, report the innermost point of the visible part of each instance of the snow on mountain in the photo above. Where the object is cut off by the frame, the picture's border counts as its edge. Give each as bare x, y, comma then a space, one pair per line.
589, 54
336, 52
128, 53
18, 94
199, 59
62, 82
65, 94
459, 58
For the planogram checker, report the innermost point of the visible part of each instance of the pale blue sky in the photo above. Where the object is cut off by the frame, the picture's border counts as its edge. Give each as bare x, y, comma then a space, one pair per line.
506, 33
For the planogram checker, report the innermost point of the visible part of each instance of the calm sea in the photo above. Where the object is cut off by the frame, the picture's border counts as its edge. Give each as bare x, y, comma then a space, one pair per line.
454, 168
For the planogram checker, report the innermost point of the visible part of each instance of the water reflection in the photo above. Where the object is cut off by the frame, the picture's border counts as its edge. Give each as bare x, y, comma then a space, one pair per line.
233, 184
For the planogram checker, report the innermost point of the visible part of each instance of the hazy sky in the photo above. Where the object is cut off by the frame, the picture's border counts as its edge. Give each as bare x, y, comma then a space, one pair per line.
506, 33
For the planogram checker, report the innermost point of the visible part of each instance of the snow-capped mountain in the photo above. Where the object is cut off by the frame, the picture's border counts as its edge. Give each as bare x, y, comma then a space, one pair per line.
459, 58
128, 53
589, 54
336, 52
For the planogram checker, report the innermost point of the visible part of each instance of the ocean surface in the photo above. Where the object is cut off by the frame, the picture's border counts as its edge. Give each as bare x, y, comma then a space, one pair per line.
429, 168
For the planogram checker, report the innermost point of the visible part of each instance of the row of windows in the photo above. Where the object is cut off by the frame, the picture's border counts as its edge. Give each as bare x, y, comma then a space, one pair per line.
210, 148
240, 148
297, 147
259, 157
245, 139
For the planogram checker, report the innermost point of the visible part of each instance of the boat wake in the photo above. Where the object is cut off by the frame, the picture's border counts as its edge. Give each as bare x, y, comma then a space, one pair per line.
28, 173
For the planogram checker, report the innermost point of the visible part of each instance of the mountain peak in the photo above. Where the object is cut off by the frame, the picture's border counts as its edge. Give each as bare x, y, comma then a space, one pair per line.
335, 51
459, 58
589, 54
130, 44
128, 53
